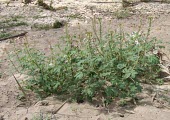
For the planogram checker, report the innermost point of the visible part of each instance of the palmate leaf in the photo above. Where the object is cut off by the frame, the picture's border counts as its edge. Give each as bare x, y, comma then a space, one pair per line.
56, 85
79, 75
111, 91
121, 66
129, 73
133, 74
105, 74
88, 92
152, 59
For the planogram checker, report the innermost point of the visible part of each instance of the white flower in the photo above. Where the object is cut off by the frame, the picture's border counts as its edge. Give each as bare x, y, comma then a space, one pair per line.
155, 52
51, 64
137, 42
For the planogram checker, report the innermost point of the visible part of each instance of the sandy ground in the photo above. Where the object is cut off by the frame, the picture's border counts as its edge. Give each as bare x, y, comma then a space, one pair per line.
78, 13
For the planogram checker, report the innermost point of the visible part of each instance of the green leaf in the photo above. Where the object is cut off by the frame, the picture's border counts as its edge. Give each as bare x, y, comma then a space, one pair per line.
105, 74
79, 75
121, 66
127, 75
133, 73
56, 85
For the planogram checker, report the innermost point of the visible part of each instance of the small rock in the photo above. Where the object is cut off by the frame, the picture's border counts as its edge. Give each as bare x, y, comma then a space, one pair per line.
166, 78
97, 105
121, 115
44, 103
21, 104
2, 117
26, 118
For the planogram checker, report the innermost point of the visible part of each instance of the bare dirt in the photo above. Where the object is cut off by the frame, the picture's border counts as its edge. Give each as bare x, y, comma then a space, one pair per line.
78, 13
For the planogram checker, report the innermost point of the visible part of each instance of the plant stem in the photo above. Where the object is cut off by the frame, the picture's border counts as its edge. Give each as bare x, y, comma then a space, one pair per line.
20, 87
12, 61
28, 52
94, 28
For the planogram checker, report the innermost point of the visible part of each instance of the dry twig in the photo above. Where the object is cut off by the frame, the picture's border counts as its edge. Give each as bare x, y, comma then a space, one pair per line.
56, 111
14, 36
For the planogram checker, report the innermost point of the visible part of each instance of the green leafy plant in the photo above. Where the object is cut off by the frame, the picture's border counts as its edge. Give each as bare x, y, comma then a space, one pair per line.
58, 24
110, 65
74, 16
14, 21
38, 16
55, 25
122, 14
42, 26
122, 102
42, 116
4, 34
46, 6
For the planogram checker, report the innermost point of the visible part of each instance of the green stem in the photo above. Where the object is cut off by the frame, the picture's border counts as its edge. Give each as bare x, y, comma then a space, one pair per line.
12, 61
41, 70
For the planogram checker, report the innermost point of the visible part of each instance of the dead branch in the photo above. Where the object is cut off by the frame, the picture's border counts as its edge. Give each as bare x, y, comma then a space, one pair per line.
56, 111
20, 87
14, 36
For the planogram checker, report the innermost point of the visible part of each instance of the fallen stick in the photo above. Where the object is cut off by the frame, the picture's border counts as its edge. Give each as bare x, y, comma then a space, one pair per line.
163, 104
130, 2
56, 111
154, 97
14, 36
20, 87
107, 2
100, 109
75, 115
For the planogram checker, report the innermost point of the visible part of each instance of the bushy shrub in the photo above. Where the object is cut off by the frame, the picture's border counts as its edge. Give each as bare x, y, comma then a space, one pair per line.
104, 66
45, 6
